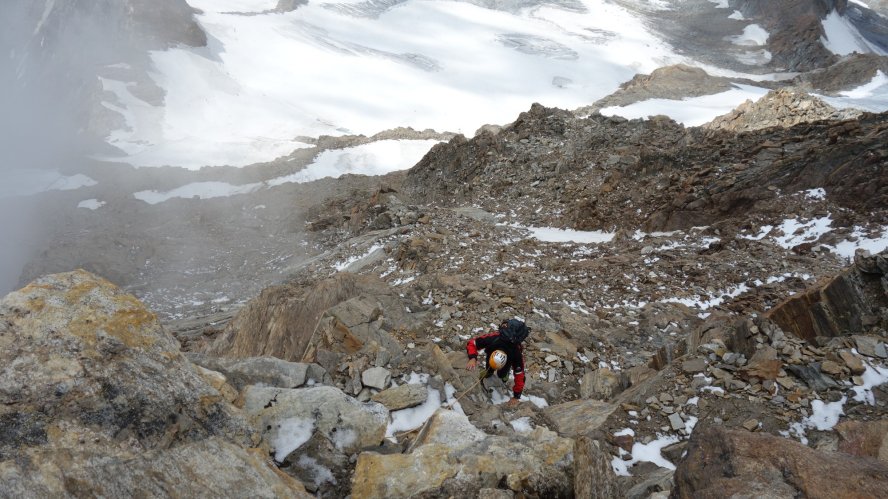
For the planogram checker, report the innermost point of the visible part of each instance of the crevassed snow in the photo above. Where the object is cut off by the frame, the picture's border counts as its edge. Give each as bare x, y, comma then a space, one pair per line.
331, 68
32, 181
693, 111
841, 37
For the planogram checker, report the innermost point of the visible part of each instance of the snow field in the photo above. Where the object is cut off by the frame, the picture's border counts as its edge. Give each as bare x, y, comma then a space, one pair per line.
268, 77
375, 158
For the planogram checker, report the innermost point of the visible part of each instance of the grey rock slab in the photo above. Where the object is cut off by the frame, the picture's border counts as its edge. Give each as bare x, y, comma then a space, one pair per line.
871, 347
376, 377
812, 377
594, 475
209, 468
268, 371
579, 416
676, 422
696, 365
402, 397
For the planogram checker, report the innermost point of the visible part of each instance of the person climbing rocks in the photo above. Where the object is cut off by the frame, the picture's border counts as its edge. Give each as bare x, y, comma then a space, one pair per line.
507, 339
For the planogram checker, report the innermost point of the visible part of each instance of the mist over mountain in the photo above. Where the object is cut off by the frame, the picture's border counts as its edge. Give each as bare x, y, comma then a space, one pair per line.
246, 243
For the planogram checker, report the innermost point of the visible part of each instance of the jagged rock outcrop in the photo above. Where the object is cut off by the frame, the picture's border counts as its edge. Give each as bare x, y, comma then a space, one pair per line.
725, 463
784, 107
850, 303
97, 399
795, 31
654, 174
345, 313
849, 72
676, 82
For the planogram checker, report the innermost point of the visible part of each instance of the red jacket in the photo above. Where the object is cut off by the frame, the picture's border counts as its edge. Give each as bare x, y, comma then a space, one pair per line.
515, 352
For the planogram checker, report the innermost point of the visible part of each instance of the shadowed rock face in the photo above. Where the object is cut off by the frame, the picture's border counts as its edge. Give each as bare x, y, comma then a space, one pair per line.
92, 384
722, 463
293, 322
846, 304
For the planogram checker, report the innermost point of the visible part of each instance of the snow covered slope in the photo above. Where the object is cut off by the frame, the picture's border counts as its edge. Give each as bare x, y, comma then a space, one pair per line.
268, 77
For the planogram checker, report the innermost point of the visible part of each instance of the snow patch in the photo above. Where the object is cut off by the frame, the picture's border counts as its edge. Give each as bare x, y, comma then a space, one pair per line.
414, 417
319, 473
91, 204
522, 425
554, 235
375, 158
841, 37
872, 377
753, 35
692, 111
649, 452
291, 434
200, 190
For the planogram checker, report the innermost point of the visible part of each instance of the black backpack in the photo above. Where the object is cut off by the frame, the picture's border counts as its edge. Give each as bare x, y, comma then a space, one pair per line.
514, 330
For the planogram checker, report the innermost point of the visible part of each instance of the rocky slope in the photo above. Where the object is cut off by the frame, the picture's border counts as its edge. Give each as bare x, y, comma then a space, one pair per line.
707, 311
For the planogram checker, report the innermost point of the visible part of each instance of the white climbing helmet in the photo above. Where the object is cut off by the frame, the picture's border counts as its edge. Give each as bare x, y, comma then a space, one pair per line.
498, 359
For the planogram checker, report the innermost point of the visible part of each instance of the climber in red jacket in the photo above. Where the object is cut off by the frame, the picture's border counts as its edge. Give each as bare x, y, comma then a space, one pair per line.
506, 339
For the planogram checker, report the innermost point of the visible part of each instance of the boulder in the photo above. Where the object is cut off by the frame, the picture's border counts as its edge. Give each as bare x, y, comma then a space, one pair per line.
594, 477
731, 463
452, 461
448, 427
347, 424
208, 468
376, 377
866, 439
97, 400
268, 371
401, 397
600, 384
579, 416
218, 381
286, 321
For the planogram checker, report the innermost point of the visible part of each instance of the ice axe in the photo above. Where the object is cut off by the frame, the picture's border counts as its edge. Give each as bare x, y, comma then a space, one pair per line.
481, 376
